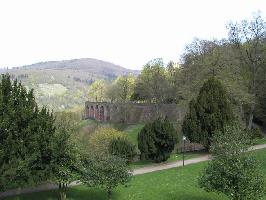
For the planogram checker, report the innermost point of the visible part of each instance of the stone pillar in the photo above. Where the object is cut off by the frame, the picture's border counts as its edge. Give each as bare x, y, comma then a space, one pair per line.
106, 113
92, 112
101, 113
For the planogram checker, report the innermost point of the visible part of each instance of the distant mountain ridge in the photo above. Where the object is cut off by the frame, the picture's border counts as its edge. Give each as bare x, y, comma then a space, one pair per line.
64, 84
88, 64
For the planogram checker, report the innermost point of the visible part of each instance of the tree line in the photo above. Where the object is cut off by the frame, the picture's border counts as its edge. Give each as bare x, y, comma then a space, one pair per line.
238, 61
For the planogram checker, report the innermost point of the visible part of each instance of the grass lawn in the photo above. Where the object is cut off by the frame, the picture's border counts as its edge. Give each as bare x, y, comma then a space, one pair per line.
173, 184
133, 131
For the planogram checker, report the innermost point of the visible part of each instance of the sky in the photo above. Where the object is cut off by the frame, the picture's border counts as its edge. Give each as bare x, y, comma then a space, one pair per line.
125, 32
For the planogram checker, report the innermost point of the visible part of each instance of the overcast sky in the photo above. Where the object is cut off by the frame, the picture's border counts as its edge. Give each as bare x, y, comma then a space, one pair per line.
125, 32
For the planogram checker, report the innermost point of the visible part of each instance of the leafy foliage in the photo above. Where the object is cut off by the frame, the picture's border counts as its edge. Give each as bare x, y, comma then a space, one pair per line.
151, 83
106, 171
97, 91
100, 140
233, 171
121, 89
248, 37
66, 159
157, 140
212, 111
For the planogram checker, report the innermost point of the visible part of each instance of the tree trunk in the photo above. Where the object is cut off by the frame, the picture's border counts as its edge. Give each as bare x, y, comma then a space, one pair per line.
251, 114
62, 195
62, 191
109, 194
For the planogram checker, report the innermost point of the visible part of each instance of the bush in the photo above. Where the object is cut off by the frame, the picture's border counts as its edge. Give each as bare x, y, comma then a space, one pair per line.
123, 148
233, 171
100, 140
157, 140
255, 133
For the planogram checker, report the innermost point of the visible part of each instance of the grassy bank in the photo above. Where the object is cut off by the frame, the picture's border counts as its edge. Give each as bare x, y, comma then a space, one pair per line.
177, 183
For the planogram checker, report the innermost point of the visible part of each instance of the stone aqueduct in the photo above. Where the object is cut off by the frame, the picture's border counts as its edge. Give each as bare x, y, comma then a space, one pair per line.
131, 112
97, 110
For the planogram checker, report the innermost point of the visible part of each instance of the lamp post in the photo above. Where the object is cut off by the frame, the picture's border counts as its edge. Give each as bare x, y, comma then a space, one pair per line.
184, 139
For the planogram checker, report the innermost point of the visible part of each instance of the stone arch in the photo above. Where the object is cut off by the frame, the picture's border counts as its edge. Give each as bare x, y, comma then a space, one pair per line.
91, 112
101, 113
97, 112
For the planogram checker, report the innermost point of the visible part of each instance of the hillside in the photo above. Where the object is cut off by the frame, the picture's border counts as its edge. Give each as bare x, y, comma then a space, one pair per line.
64, 84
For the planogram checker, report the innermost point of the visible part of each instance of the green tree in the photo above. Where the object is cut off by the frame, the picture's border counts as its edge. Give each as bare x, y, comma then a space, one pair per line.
97, 91
157, 140
105, 171
111, 92
121, 89
233, 171
212, 111
26, 135
151, 84
204, 59
66, 159
248, 37
191, 125
173, 76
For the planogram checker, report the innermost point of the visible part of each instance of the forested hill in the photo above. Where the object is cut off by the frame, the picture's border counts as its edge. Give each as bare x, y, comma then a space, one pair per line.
89, 65
64, 84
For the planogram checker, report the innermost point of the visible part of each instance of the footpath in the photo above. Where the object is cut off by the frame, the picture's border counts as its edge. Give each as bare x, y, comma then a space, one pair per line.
139, 171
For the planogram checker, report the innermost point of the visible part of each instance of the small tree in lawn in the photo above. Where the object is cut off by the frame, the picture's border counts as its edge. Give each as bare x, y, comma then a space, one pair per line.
211, 112
105, 171
65, 159
233, 171
157, 140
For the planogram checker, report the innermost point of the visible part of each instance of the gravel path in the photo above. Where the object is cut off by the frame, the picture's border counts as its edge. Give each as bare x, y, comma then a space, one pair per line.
139, 171
154, 168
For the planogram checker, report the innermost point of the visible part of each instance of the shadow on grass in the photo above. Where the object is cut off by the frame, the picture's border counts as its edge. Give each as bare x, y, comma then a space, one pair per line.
83, 192
74, 193
193, 196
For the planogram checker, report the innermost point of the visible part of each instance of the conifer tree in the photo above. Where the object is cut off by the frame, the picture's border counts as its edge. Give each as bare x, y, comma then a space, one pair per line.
211, 112
25, 137
191, 124
157, 140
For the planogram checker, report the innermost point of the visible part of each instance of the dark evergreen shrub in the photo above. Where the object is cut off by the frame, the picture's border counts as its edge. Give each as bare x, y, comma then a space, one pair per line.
123, 148
157, 140
210, 112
